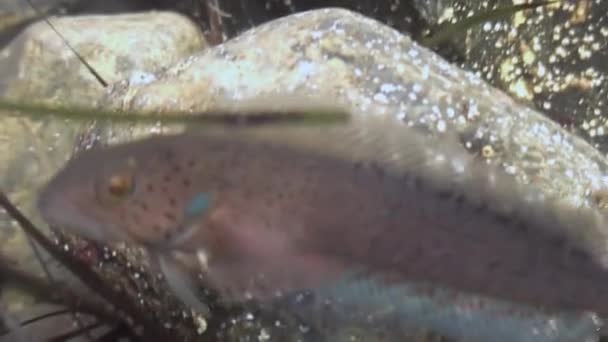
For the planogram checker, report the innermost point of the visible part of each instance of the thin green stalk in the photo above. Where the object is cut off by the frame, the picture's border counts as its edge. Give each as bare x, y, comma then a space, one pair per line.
256, 117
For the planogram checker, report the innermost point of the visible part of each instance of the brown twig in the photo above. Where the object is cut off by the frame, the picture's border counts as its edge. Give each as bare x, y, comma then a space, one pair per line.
214, 15
92, 280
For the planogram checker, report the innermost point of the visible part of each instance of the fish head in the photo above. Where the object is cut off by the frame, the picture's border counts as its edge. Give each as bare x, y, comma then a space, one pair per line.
137, 192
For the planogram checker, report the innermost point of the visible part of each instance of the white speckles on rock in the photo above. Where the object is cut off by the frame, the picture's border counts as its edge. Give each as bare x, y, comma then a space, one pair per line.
388, 88
441, 126
141, 77
306, 68
316, 34
380, 97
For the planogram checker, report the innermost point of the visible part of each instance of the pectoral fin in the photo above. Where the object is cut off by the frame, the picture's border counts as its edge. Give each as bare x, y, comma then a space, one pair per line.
181, 284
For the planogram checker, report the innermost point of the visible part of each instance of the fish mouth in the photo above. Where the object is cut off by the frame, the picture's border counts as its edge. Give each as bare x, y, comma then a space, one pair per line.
65, 215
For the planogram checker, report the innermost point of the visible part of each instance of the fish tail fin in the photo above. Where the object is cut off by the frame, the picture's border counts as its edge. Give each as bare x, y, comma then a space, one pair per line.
181, 284
407, 308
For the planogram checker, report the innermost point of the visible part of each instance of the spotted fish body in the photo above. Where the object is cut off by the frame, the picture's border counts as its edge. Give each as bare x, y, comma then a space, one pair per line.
300, 209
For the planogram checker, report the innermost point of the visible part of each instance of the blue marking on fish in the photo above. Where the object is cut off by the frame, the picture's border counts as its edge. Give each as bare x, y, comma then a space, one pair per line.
198, 205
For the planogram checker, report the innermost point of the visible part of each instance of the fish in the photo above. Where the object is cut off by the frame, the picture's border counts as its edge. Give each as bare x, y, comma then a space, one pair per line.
270, 211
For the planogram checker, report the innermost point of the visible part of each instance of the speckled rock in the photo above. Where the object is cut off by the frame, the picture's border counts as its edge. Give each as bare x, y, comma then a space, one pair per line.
554, 57
372, 68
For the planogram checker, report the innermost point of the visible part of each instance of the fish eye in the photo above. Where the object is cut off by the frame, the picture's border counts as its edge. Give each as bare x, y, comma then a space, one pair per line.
120, 185
116, 187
